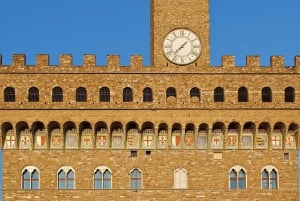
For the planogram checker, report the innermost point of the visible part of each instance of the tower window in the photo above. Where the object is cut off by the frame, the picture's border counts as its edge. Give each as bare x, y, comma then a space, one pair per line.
171, 92
104, 94
9, 94
219, 94
81, 95
57, 94
243, 94
30, 178
195, 92
33, 94
127, 95
147, 95
266, 94
289, 95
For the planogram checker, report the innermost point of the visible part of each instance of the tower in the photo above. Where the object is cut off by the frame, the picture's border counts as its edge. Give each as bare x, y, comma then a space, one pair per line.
170, 15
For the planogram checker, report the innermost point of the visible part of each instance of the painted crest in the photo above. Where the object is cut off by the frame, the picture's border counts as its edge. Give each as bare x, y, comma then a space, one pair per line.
162, 139
246, 141
202, 141
56, 141
10, 141
102, 141
132, 140
25, 141
290, 142
117, 141
86, 141
217, 141
71, 141
261, 141
148, 140
276, 141
189, 140
40, 141
176, 140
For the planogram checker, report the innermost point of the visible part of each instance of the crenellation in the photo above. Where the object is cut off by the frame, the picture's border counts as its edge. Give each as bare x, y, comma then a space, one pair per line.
42, 60
297, 61
253, 61
89, 60
277, 62
136, 62
113, 62
19, 60
228, 61
66, 60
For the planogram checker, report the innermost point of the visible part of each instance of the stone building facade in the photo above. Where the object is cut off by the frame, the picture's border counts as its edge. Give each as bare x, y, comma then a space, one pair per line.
179, 129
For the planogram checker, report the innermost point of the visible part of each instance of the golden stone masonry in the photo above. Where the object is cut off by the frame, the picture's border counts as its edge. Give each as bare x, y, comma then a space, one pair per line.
179, 129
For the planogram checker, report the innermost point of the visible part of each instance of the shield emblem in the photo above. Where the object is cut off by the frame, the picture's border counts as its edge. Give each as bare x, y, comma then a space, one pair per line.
132, 140
25, 141
189, 140
175, 140
202, 141
117, 140
231, 140
147, 140
246, 141
276, 141
102, 140
71, 141
40, 140
216, 140
162, 140
10, 141
260, 140
86, 141
56, 140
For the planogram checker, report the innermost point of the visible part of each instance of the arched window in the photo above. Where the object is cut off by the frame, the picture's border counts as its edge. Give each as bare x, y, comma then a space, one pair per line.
243, 94
30, 178
195, 92
147, 95
171, 91
57, 94
237, 178
66, 178
266, 94
269, 178
136, 179
219, 94
81, 95
102, 178
33, 94
289, 95
104, 94
9, 94
180, 179
127, 95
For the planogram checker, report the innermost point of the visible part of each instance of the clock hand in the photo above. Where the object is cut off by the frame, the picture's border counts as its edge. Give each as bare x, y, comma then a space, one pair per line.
182, 46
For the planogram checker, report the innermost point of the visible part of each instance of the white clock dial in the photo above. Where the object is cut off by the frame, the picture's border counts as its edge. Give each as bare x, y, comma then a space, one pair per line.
182, 46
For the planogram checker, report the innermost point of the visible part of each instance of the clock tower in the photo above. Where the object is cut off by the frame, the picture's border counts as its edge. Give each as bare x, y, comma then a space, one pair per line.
180, 33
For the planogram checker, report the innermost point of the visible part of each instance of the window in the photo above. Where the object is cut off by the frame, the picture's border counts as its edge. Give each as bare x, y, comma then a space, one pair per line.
195, 92
171, 92
30, 178
33, 94
289, 95
147, 95
243, 94
219, 94
81, 95
104, 94
9, 94
66, 178
237, 178
57, 94
269, 178
136, 179
127, 95
102, 178
266, 94
180, 179
133, 154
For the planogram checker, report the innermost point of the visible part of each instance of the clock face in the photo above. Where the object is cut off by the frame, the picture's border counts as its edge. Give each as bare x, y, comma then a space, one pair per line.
182, 46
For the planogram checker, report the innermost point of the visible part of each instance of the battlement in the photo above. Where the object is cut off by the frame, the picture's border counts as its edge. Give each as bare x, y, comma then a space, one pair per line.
228, 65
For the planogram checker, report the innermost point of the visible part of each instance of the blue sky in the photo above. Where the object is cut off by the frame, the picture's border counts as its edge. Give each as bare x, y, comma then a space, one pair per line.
77, 27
